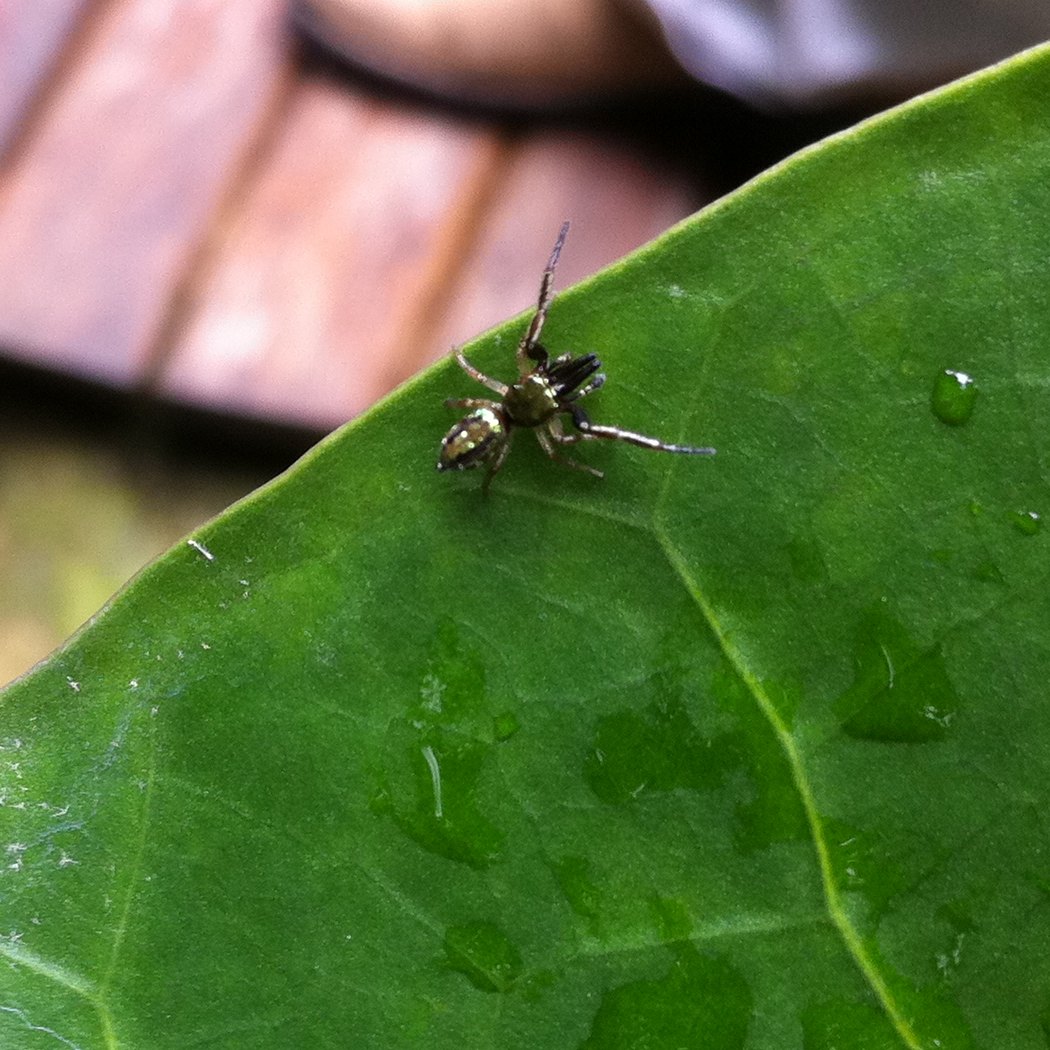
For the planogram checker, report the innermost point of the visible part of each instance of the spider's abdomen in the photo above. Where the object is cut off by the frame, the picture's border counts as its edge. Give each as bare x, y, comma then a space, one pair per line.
531, 401
473, 440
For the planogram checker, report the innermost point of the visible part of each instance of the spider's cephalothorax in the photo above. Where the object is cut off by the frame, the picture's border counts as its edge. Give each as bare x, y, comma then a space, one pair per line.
547, 389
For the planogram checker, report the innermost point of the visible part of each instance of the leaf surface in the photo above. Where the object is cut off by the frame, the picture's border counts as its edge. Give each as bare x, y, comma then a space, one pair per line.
749, 752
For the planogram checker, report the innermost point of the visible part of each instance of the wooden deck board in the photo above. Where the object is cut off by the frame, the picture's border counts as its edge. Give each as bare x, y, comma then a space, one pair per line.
304, 314
194, 215
110, 196
312, 311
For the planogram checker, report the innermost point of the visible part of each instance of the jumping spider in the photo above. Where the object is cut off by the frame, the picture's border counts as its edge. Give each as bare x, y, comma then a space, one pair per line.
546, 390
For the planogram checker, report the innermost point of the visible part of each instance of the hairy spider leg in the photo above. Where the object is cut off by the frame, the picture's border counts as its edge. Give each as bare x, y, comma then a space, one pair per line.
589, 430
497, 461
493, 384
550, 432
529, 348
472, 402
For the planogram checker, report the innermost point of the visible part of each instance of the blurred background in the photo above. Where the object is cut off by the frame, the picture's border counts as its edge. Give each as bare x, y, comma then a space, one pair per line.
223, 233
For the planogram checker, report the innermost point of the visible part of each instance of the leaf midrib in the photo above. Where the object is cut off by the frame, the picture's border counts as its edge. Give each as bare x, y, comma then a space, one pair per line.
847, 932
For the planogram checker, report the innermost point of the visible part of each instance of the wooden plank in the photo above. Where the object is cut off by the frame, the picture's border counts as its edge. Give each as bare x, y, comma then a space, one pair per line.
307, 315
32, 36
615, 197
110, 196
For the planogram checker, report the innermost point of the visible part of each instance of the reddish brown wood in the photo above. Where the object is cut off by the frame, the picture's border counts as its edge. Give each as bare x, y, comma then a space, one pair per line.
361, 243
615, 198
309, 310
32, 36
112, 193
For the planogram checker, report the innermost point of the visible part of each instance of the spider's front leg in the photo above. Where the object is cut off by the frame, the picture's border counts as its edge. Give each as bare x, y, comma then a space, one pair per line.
529, 349
493, 384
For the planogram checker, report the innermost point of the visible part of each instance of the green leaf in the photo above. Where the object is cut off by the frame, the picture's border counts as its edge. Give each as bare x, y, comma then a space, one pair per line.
750, 751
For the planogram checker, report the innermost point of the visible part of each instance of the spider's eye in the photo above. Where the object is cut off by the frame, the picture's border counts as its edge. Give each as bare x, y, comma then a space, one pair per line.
472, 440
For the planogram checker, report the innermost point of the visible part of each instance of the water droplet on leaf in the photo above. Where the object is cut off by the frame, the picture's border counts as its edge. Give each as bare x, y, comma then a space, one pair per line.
504, 726
483, 953
901, 692
1026, 521
582, 893
657, 749
432, 767
954, 394
701, 1001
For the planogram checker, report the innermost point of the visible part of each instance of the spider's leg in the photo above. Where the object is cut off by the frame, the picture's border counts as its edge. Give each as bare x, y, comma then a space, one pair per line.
497, 462
589, 431
493, 384
550, 432
470, 402
528, 348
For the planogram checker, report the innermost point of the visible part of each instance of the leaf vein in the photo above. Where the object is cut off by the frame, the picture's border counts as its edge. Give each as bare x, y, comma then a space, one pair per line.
847, 932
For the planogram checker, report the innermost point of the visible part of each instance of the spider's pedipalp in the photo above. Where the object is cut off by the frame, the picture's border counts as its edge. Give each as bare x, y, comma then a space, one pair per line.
595, 384
568, 374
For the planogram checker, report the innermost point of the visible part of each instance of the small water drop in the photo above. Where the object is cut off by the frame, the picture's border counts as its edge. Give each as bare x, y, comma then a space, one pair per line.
654, 750
901, 692
505, 725
701, 1001
483, 953
435, 759
577, 884
1026, 521
954, 394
